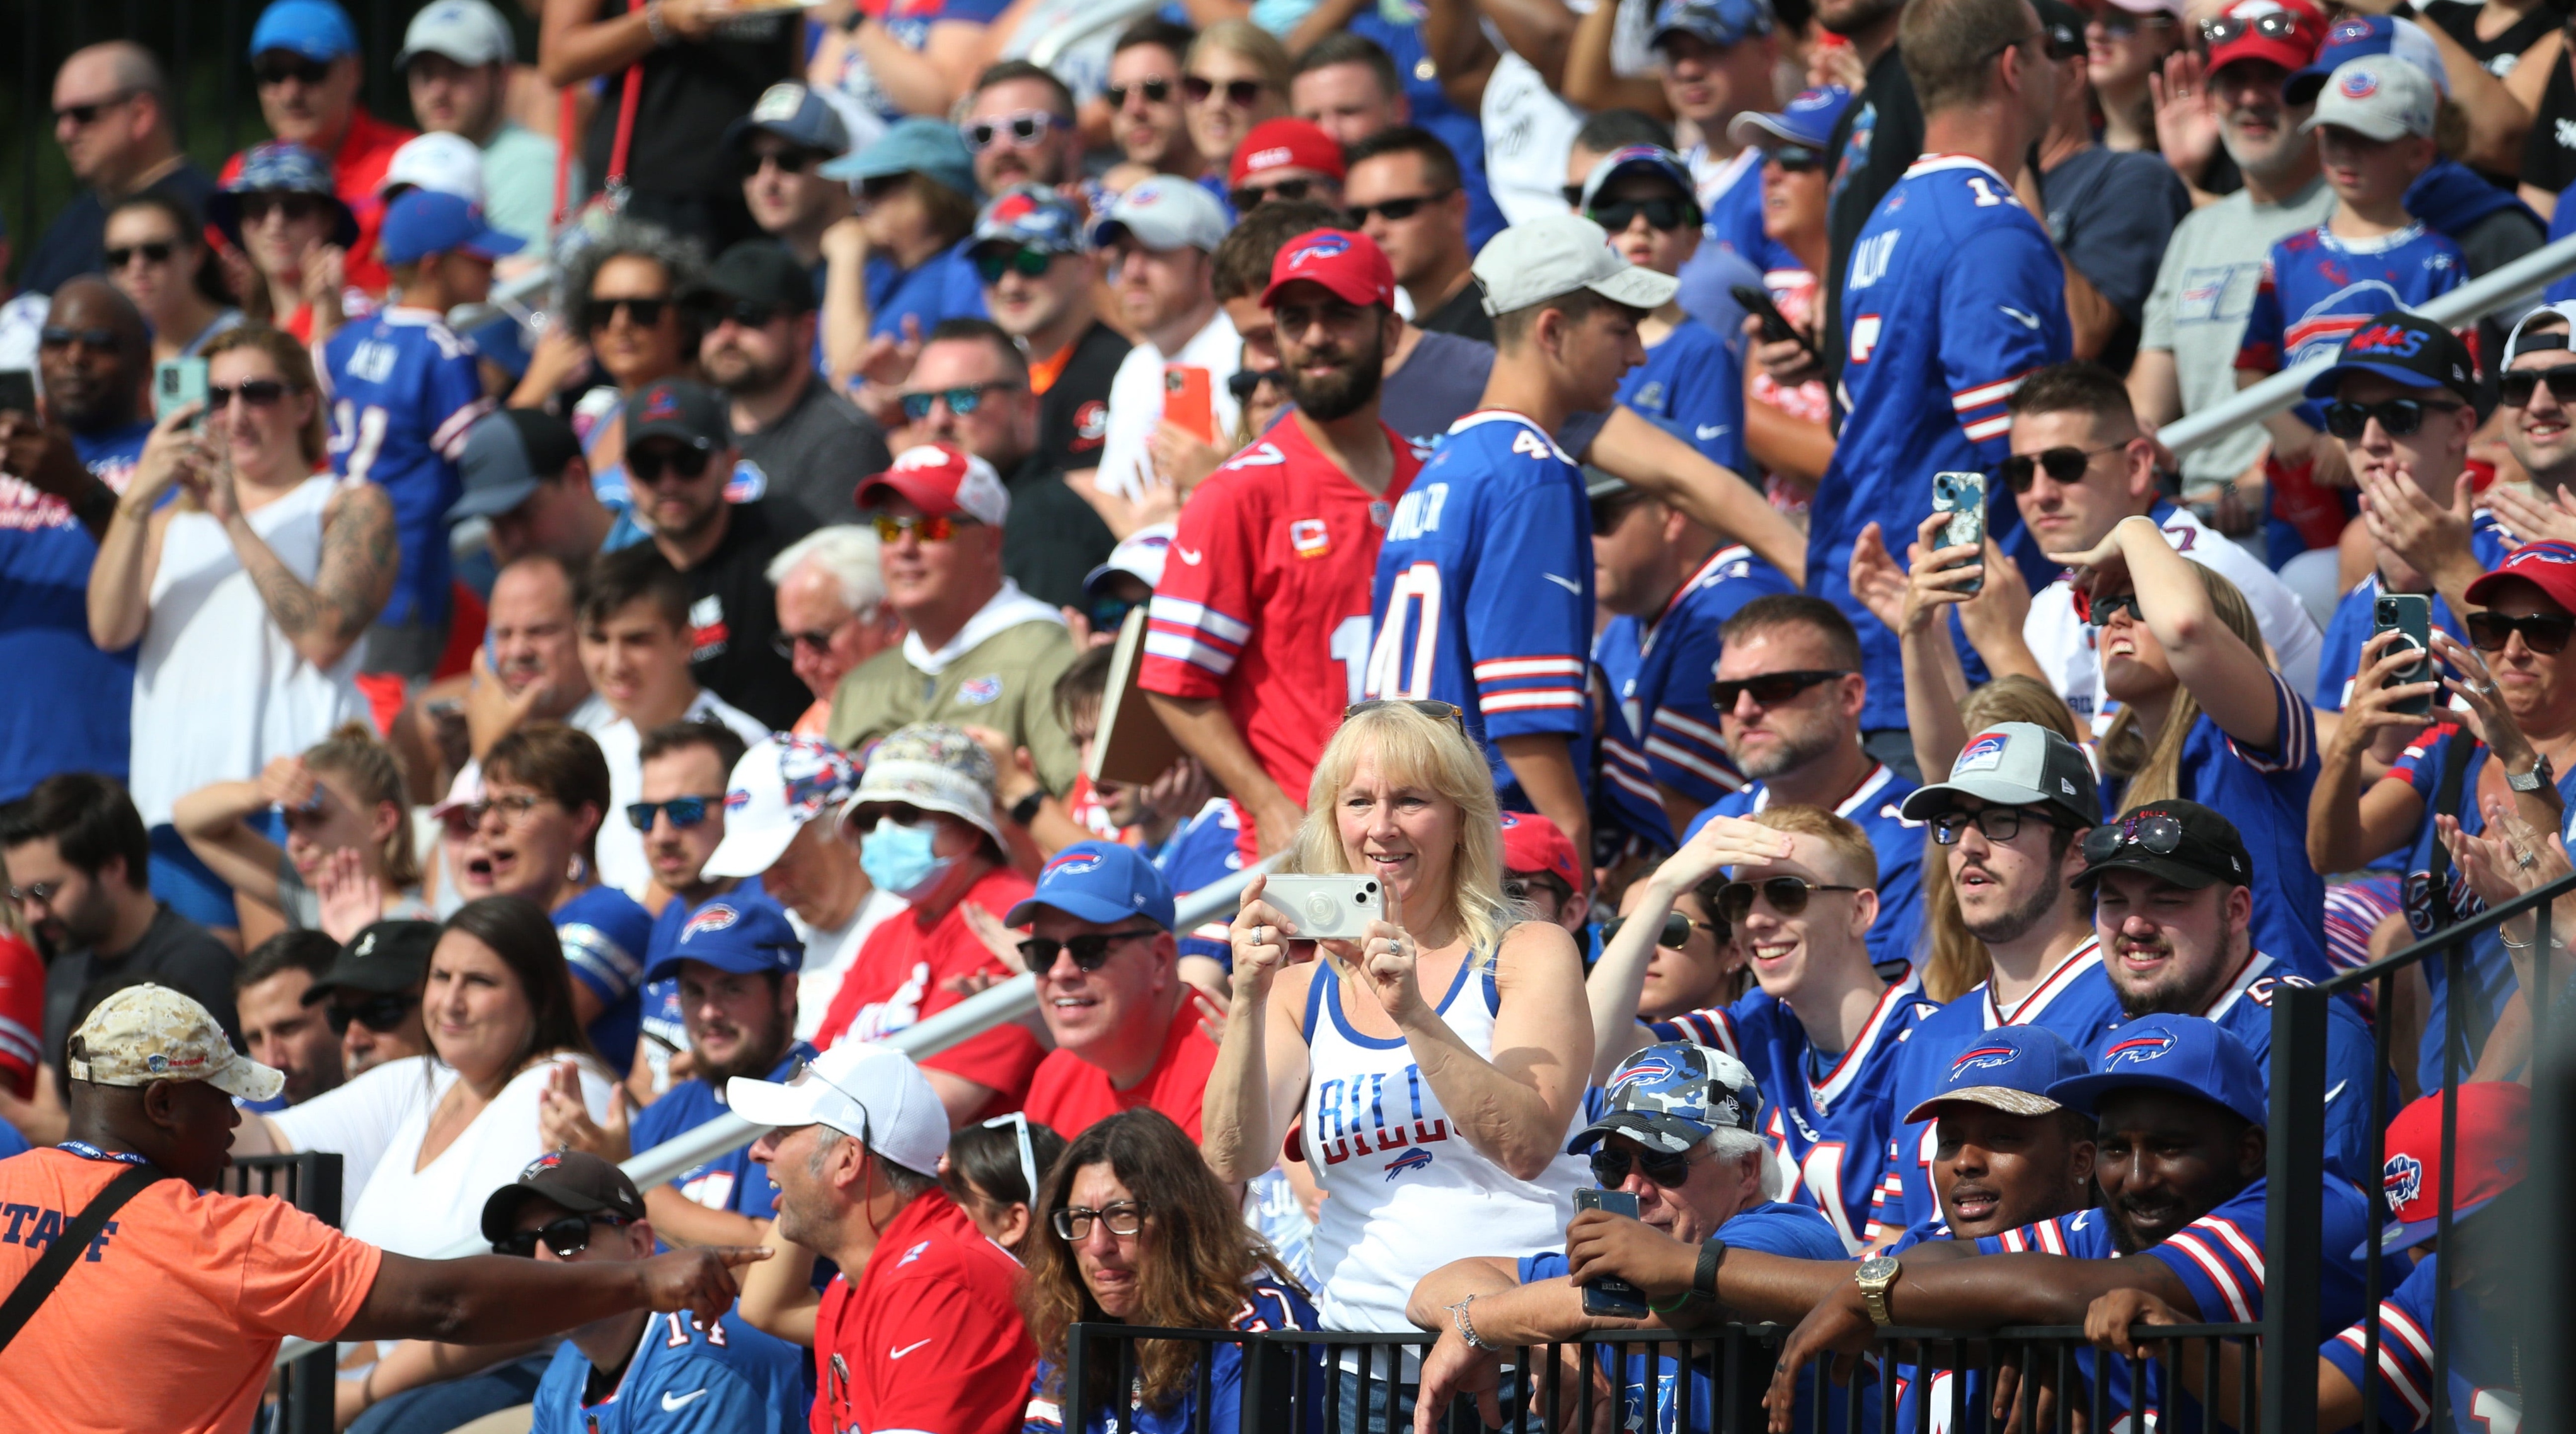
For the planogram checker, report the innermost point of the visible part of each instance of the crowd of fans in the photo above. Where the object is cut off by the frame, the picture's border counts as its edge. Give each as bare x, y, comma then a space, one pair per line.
761, 523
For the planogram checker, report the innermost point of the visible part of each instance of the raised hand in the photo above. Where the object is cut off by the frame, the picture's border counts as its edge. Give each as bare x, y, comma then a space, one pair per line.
351, 899
1877, 582
2186, 118
563, 1118
2532, 520
1723, 842
1937, 577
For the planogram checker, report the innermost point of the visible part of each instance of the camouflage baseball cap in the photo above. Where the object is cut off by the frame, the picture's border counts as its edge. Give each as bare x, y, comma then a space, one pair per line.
931, 766
1673, 1096
148, 1033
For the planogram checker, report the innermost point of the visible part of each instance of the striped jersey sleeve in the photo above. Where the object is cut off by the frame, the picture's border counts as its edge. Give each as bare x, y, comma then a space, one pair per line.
1530, 638
2295, 740
2219, 1258
1994, 325
2405, 1350
1202, 611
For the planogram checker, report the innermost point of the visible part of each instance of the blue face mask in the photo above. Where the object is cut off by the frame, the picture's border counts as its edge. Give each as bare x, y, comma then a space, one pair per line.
898, 858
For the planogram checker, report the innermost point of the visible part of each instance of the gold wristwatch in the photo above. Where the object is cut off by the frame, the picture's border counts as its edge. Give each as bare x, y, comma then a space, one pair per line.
1876, 1276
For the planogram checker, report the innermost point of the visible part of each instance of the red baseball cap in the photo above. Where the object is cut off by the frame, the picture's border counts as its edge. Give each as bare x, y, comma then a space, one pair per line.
2491, 1151
1285, 143
1532, 843
2549, 565
2285, 32
943, 481
1351, 265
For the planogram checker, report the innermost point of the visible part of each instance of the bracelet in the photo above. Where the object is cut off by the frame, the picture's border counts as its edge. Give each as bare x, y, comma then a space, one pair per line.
1467, 1327
2512, 945
653, 25
1704, 1278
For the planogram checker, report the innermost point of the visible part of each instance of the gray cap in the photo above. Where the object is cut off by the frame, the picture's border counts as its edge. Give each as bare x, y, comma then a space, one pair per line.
1164, 212
1556, 254
2015, 764
507, 454
795, 114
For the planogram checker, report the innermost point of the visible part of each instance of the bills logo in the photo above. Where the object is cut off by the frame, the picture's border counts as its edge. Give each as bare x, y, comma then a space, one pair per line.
1984, 1058
1654, 1068
737, 799
1308, 537
661, 403
2535, 554
2358, 84
1074, 864
1414, 1159
1322, 246
1985, 752
749, 483
2403, 1181
1271, 158
925, 455
977, 691
2137, 1050
2348, 32
714, 916
2386, 338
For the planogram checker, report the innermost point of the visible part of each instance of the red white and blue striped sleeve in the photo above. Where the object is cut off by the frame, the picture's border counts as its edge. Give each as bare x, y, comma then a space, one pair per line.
1201, 616
2405, 1363
2294, 740
2220, 1260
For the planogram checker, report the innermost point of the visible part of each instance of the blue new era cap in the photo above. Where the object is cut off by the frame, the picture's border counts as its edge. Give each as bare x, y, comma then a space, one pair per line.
1672, 1096
744, 934
2356, 37
1099, 881
2407, 348
2189, 1055
1719, 22
2010, 1068
422, 222
315, 29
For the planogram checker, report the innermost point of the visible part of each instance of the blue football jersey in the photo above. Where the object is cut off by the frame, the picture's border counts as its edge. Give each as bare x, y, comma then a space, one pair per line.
604, 934
1201, 851
404, 388
2318, 289
2350, 627
729, 1181
685, 1378
1953, 294
1692, 386
1661, 729
1483, 596
2485, 1388
1873, 807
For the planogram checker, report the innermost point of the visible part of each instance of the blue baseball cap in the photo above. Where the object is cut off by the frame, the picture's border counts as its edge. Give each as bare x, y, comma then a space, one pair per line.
1099, 881
1030, 216
277, 167
1672, 1096
2011, 1068
421, 222
795, 114
915, 144
315, 29
1807, 121
2407, 348
2188, 1055
2356, 36
1647, 159
744, 934
1719, 22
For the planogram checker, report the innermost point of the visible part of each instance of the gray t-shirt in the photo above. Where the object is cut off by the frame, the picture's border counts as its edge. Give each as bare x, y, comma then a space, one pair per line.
815, 454
2197, 311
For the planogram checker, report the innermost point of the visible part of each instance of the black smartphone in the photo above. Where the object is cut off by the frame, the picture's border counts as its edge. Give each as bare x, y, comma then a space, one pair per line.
17, 391
1775, 325
2411, 614
1608, 1295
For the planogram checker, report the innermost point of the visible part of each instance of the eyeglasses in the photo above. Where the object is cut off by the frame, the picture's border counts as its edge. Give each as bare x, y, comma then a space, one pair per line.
961, 400
1676, 932
647, 465
642, 311
1610, 1167
2515, 385
1771, 688
1251, 196
1157, 90
41, 892
2227, 28
1022, 128
2159, 833
2098, 611
1795, 159
991, 264
1243, 381
789, 161
1786, 894
1242, 94
786, 643
1665, 214
2062, 465
2546, 635
255, 392
1090, 952
745, 312
1123, 1217
514, 809
2397, 417
83, 116
156, 252
567, 1237
276, 69
685, 812
1393, 211
1994, 823
54, 336
1448, 712
294, 208
376, 1013
936, 528
1998, 50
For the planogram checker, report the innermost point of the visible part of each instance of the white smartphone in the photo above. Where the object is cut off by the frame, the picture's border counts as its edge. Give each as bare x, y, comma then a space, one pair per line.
1327, 907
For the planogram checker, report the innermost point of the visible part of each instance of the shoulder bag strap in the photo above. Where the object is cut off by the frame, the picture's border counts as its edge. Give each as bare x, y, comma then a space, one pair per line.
56, 1262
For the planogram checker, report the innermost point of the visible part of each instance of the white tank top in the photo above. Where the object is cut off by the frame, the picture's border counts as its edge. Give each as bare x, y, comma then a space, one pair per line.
1408, 1194
218, 690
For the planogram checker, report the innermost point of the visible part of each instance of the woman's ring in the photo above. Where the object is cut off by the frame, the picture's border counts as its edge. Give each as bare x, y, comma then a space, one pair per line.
2526, 859
1261, 936
2488, 688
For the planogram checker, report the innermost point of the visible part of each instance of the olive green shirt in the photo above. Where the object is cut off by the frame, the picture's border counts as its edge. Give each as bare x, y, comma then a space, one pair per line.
1004, 681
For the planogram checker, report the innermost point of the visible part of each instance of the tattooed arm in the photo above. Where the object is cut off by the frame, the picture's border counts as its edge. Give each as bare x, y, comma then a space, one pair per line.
325, 618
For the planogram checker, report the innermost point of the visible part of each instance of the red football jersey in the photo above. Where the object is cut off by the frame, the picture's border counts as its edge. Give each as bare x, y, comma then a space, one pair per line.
901, 974
1265, 596
930, 1339
22, 1014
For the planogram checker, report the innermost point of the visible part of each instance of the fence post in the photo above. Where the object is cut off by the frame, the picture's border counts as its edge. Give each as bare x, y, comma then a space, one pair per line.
1269, 1381
2293, 1246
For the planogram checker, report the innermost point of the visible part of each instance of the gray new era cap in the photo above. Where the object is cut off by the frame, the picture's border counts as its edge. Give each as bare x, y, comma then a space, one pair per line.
507, 454
1555, 255
2015, 764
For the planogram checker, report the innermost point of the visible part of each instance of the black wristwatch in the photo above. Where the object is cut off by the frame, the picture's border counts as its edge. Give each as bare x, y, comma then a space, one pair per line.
1704, 1280
1025, 810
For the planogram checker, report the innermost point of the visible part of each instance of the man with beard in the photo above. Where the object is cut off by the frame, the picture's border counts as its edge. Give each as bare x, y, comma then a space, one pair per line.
1039, 276
1260, 627
1020, 123
61, 469
2195, 318
802, 439
280, 1028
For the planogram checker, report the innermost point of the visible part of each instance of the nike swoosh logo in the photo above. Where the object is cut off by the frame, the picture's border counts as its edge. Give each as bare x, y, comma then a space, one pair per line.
1187, 556
907, 1349
1569, 584
2027, 321
671, 1402
2338, 1090
1708, 431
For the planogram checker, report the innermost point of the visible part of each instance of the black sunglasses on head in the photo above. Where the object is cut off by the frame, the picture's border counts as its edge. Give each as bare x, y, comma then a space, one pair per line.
376, 1013
1771, 688
1786, 894
567, 1237
2516, 386
1090, 951
276, 69
2158, 832
2543, 634
2062, 465
2278, 25
2398, 417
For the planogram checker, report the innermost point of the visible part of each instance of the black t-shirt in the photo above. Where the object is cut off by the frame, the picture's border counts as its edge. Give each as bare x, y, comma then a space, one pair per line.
815, 454
174, 952
2549, 150
733, 615
1073, 414
1462, 313
1054, 537
2460, 22
76, 242
1878, 138
691, 91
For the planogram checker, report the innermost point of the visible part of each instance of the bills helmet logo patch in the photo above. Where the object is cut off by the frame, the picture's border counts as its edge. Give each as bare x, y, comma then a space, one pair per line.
737, 799
2402, 1181
1983, 1058
1411, 1160
1644, 1068
977, 691
1322, 246
2137, 1050
1071, 864
712, 917
1984, 753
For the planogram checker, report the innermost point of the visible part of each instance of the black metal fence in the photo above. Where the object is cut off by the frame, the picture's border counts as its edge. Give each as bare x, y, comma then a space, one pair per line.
301, 1397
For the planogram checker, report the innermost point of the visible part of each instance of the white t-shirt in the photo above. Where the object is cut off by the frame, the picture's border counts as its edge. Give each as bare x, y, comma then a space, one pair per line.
424, 1212
1529, 130
1136, 401
621, 846
828, 955
357, 1119
2063, 643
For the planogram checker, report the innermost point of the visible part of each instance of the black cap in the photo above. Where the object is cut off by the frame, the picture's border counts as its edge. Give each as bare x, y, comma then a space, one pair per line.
677, 408
2407, 348
2064, 24
581, 1183
761, 271
2177, 841
386, 958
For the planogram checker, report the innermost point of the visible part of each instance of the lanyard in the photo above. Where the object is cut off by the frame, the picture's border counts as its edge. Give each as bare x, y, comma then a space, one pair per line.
87, 1151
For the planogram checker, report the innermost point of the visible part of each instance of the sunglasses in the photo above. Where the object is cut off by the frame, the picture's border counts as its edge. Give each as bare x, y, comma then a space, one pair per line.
278, 69
789, 161
1796, 159
2062, 465
1243, 381
1109, 614
293, 208
643, 313
2517, 385
1022, 128
961, 400
647, 465
376, 1013
1157, 90
1994, 823
1610, 1167
1123, 1217
567, 1237
157, 252
936, 528
1242, 94
1787, 895
1676, 932
1393, 211
786, 643
1664, 214
744, 312
256, 392
2228, 28
2098, 611
1090, 951
1448, 712
992, 264
1771, 688
42, 891
2490, 631
2158, 833
84, 115
2398, 417
54, 336
685, 812
1251, 196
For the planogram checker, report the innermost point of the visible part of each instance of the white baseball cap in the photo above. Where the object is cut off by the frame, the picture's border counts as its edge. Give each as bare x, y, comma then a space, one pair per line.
782, 783
861, 1089
147, 1033
1557, 254
2522, 341
2379, 96
469, 32
439, 162
1140, 555
1164, 212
